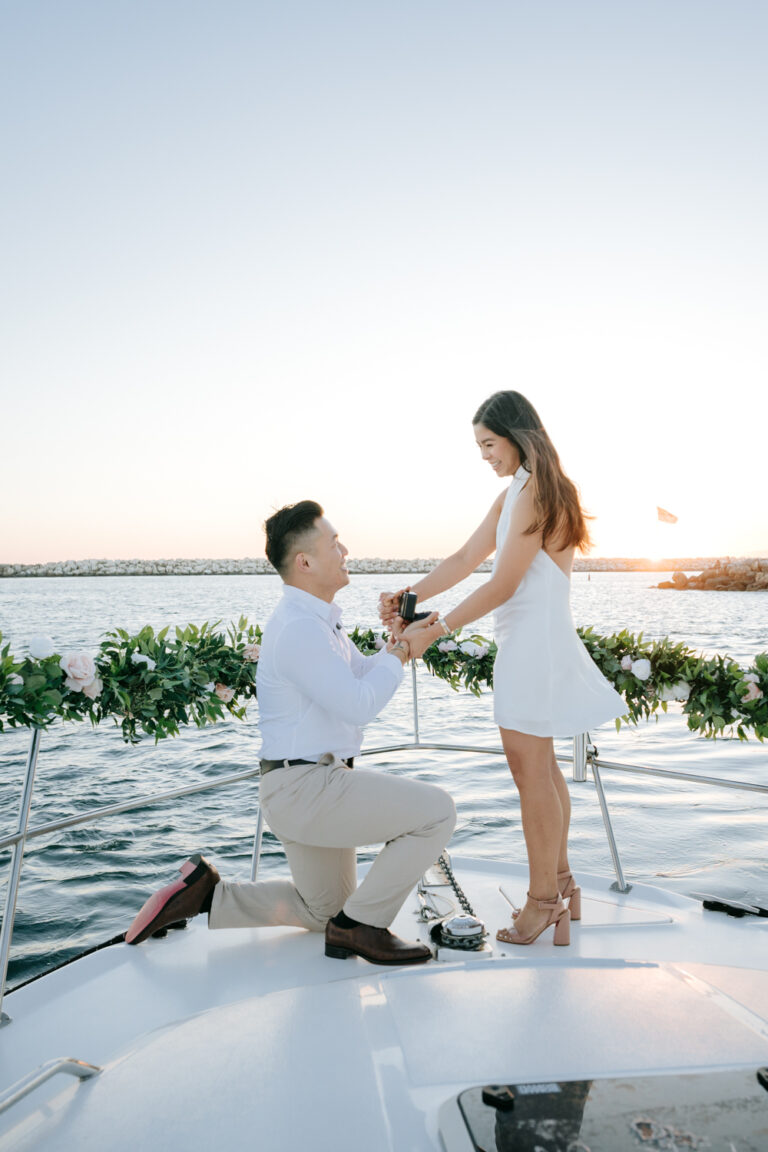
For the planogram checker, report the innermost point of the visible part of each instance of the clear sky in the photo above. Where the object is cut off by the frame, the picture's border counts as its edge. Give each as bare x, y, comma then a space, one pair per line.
259, 252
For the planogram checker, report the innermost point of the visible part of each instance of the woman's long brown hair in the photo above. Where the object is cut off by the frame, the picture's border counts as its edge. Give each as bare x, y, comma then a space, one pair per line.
558, 512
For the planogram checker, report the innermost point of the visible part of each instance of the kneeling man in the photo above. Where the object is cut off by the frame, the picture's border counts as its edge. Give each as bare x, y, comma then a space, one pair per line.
316, 692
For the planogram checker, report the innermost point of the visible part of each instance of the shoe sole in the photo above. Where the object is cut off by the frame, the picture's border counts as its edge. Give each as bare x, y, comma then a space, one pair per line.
335, 952
142, 926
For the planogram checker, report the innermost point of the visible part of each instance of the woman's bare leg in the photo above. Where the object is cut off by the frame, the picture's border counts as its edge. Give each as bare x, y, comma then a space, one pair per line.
530, 760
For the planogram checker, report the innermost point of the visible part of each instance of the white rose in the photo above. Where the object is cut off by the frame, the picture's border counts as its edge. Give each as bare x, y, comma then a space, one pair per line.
753, 693
752, 677
251, 653
41, 647
626, 663
80, 670
641, 669
209, 687
93, 689
140, 658
680, 691
379, 643
482, 650
225, 694
469, 648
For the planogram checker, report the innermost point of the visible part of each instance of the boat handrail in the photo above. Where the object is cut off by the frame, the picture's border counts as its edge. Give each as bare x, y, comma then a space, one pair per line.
584, 755
151, 798
39, 1076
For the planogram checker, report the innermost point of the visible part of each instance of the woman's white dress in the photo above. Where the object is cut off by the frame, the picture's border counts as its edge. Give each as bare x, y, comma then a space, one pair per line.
545, 683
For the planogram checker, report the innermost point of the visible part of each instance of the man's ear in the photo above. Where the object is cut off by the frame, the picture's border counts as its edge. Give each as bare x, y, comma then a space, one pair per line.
302, 562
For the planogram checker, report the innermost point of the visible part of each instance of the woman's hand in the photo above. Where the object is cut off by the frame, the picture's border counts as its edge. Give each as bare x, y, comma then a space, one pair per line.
421, 634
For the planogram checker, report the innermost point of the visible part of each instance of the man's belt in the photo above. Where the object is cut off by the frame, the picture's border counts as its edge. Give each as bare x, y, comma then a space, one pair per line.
270, 765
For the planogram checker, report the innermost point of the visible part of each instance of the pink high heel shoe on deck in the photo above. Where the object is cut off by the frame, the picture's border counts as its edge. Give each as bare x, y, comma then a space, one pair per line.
570, 892
559, 915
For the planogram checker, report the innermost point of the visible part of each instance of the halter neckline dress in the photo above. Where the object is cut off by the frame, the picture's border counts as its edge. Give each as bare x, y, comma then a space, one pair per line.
545, 683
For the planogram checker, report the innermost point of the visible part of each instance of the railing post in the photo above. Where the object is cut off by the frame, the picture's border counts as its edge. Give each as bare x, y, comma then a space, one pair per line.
17, 859
620, 883
580, 757
416, 738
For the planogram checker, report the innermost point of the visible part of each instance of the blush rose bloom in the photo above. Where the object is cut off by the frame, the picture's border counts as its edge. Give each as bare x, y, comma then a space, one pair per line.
80, 670
470, 648
641, 668
224, 694
251, 653
379, 643
679, 691
93, 689
626, 663
752, 693
447, 646
41, 647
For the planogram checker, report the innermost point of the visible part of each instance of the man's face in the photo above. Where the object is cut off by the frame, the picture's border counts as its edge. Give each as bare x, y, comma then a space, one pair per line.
325, 557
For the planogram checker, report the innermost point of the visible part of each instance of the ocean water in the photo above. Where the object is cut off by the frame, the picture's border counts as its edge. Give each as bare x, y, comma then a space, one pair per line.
83, 885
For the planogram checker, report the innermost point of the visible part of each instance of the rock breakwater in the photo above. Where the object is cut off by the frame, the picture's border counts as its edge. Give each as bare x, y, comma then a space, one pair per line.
724, 576
248, 566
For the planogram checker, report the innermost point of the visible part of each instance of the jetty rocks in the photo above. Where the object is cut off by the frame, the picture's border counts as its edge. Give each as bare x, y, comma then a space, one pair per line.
724, 576
248, 566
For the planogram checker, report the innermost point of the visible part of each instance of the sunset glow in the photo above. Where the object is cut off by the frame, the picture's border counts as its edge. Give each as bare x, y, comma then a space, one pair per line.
257, 254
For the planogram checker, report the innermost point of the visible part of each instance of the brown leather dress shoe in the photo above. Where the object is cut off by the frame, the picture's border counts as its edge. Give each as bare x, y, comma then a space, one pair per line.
177, 901
378, 945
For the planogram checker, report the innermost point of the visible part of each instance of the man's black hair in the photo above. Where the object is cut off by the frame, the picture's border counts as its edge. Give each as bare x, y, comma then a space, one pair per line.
286, 527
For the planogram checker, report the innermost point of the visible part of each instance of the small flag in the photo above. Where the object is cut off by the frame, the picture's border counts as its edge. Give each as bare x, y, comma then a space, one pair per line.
666, 517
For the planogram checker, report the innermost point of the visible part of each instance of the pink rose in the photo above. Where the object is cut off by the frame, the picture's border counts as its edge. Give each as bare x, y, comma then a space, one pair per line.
251, 653
626, 663
80, 670
752, 693
93, 689
224, 694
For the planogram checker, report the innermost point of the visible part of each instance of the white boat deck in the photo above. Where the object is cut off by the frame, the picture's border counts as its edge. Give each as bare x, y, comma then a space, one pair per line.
254, 1039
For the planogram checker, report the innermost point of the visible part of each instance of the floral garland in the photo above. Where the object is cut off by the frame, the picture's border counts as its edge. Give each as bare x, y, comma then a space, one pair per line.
152, 683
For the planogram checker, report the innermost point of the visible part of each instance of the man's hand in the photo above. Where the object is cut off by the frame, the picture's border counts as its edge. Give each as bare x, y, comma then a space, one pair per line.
389, 603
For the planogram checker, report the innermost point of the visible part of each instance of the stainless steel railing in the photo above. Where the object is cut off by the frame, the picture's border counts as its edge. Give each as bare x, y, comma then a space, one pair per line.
32, 1080
583, 760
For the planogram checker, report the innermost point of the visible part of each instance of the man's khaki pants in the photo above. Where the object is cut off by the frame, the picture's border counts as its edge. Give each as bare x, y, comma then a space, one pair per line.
321, 813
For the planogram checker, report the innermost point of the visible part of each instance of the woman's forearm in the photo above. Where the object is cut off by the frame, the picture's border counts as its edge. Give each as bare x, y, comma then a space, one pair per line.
487, 598
447, 574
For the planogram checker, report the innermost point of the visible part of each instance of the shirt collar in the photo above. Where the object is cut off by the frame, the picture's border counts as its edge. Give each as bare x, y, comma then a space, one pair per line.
330, 613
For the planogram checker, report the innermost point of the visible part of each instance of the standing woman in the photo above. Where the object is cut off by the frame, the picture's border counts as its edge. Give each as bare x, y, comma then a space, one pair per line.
545, 682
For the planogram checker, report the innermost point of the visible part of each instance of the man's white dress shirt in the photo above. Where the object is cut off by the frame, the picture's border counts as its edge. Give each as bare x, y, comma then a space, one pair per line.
316, 691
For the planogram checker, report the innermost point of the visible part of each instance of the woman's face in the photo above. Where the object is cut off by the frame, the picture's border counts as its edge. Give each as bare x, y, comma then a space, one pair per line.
500, 453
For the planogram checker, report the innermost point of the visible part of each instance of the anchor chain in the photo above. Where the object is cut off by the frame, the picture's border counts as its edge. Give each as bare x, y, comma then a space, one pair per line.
463, 931
445, 866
